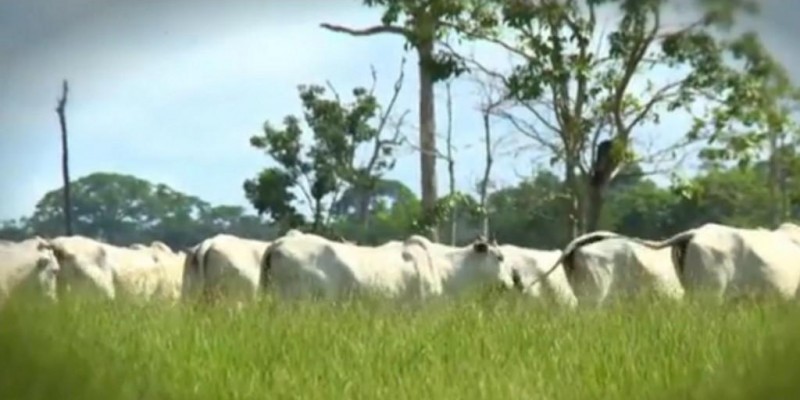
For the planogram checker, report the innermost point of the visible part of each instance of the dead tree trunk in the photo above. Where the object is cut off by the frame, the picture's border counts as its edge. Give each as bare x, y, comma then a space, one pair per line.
62, 119
487, 170
451, 165
427, 134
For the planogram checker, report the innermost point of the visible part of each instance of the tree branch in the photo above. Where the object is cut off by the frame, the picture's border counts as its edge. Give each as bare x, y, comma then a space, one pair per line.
62, 119
659, 96
333, 91
631, 64
369, 31
451, 162
397, 88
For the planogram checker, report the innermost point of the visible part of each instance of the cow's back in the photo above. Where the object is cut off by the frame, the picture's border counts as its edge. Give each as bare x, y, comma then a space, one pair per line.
381, 269
232, 264
768, 263
298, 266
137, 273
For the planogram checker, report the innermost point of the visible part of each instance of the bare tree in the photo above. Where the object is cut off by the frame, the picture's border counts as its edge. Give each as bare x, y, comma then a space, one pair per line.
364, 177
451, 162
62, 119
491, 101
576, 101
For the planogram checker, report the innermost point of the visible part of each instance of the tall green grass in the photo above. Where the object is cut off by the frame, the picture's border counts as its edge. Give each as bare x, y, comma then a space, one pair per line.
502, 348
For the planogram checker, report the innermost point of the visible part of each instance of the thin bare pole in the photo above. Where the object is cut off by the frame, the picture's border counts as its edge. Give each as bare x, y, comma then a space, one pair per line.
62, 103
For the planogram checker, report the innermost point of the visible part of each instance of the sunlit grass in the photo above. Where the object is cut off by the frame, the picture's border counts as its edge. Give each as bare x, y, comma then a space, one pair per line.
495, 349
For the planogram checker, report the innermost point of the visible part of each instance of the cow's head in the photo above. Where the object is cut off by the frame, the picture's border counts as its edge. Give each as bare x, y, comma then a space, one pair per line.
485, 259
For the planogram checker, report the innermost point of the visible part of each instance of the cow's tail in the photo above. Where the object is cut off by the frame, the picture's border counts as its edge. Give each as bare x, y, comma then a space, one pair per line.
428, 278
265, 267
190, 266
194, 270
575, 244
678, 242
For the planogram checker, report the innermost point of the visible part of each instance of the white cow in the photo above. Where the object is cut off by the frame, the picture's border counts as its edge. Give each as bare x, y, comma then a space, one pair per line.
110, 270
603, 265
728, 262
27, 264
224, 265
529, 265
454, 270
311, 266
172, 264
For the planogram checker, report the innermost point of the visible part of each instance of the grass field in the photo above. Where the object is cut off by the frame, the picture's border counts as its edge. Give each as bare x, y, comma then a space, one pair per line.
499, 349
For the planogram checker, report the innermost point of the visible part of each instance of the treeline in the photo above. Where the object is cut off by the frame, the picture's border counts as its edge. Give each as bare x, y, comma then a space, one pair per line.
586, 96
123, 209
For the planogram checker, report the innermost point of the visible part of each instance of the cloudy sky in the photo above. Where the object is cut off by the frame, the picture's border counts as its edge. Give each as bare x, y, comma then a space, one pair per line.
171, 90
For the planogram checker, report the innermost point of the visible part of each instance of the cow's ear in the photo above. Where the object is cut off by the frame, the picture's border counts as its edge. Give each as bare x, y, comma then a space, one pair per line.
480, 247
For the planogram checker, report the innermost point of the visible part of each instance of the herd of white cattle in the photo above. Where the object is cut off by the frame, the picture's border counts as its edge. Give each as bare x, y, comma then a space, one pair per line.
724, 261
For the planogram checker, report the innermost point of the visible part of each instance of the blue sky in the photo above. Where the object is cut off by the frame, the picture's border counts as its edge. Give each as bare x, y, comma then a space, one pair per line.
171, 91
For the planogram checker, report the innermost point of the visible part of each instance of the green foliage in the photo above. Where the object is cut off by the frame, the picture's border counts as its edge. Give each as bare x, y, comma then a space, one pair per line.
392, 208
122, 209
757, 107
15, 230
576, 94
325, 167
423, 22
463, 202
532, 213
271, 193
503, 349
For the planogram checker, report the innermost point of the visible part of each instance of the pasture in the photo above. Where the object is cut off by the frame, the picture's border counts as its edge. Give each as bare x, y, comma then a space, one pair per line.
497, 347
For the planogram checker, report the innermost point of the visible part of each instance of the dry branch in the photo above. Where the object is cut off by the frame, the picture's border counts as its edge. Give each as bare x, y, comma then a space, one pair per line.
62, 119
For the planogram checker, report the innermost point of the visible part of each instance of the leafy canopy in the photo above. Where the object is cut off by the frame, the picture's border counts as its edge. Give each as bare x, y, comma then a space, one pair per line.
324, 166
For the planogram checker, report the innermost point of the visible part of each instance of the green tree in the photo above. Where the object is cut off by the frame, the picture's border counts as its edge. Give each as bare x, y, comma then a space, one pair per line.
733, 196
322, 170
123, 209
531, 213
393, 209
15, 230
583, 104
766, 129
643, 209
111, 207
421, 23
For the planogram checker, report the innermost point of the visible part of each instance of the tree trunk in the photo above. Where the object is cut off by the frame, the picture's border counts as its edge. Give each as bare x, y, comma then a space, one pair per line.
451, 166
487, 170
427, 134
595, 203
364, 201
451, 170
775, 195
604, 169
62, 119
575, 216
